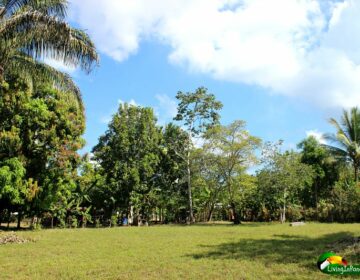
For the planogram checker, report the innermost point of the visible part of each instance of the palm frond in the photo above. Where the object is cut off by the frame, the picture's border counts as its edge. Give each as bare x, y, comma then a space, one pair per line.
39, 73
40, 36
336, 152
49, 7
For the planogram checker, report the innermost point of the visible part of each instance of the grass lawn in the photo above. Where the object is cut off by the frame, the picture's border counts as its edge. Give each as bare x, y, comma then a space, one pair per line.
249, 251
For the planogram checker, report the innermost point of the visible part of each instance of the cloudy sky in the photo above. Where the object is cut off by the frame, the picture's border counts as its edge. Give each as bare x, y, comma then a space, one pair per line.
284, 66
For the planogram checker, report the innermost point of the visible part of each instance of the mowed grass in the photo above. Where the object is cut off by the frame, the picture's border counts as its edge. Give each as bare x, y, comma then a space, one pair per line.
249, 251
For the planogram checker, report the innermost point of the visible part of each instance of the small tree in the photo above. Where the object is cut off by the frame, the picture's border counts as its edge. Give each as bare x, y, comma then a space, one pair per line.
283, 176
13, 187
198, 111
234, 149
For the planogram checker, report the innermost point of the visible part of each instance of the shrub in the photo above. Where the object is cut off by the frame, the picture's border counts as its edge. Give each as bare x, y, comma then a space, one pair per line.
114, 219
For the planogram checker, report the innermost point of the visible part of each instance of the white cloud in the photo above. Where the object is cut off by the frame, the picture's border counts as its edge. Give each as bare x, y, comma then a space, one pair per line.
303, 48
317, 135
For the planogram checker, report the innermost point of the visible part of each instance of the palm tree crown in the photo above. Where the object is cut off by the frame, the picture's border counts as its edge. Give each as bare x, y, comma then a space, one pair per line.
32, 30
347, 138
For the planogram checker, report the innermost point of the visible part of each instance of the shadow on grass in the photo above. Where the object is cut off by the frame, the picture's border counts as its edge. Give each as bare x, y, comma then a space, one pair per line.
12, 228
283, 249
230, 224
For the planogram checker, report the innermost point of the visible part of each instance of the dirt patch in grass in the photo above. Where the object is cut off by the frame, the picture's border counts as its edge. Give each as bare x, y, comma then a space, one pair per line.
11, 237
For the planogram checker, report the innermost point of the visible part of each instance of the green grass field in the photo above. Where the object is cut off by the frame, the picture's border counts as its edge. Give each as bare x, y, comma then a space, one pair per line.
250, 251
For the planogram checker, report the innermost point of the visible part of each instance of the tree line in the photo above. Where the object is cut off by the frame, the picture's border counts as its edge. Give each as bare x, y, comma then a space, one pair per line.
141, 172
193, 169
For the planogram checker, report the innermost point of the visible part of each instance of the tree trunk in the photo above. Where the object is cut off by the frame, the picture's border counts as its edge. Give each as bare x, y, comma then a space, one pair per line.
283, 216
9, 216
356, 167
52, 221
19, 219
209, 217
236, 216
191, 214
316, 201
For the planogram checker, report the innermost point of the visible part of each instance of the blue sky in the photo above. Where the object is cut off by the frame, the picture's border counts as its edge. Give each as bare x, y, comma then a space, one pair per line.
148, 75
285, 82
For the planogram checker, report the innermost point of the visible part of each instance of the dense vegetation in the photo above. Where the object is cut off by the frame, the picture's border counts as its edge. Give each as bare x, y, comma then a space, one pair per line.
140, 172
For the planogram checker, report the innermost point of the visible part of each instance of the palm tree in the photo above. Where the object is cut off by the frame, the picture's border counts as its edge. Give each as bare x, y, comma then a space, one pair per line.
347, 138
32, 30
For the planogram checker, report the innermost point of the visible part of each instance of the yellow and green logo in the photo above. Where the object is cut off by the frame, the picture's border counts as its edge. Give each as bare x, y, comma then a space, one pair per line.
330, 263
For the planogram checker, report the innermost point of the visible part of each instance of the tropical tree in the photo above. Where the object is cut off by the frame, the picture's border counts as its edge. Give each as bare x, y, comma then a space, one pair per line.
210, 187
170, 182
234, 148
326, 171
42, 129
34, 30
198, 111
346, 140
129, 154
283, 177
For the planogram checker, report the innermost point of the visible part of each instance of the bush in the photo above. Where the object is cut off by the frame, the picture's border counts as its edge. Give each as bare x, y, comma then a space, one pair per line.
74, 222
310, 214
114, 219
294, 213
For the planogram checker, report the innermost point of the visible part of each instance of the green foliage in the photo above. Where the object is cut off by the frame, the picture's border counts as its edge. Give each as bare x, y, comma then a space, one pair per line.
347, 139
344, 199
114, 219
233, 151
198, 110
40, 135
13, 187
326, 171
171, 191
74, 222
31, 30
130, 171
283, 178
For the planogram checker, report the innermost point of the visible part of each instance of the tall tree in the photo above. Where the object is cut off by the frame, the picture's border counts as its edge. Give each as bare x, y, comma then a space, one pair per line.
42, 129
347, 139
129, 153
32, 30
234, 149
198, 111
325, 168
172, 192
283, 177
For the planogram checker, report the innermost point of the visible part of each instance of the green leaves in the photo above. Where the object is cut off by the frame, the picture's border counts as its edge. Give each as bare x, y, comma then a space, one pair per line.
41, 130
198, 110
347, 138
33, 30
12, 181
129, 154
